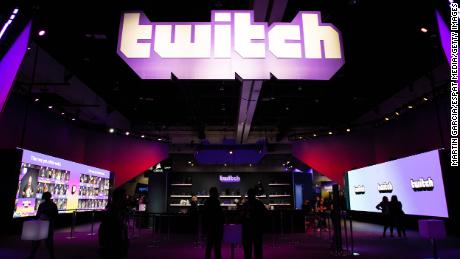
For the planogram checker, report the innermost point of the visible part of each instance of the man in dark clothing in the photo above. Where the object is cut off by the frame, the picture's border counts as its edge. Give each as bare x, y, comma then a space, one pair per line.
253, 222
384, 206
214, 219
397, 215
113, 231
46, 211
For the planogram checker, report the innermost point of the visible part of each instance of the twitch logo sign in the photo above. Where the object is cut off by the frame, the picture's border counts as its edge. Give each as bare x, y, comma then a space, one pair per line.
385, 187
231, 44
229, 179
360, 189
422, 184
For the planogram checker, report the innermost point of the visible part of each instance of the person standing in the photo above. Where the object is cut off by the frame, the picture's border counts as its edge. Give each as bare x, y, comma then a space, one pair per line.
46, 211
384, 206
397, 215
253, 221
214, 219
113, 231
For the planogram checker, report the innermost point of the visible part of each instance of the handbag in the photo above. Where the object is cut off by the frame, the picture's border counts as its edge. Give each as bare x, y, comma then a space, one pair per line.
35, 230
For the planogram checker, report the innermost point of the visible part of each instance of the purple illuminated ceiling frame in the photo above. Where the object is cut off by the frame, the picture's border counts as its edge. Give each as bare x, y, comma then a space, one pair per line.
10, 64
444, 35
156, 67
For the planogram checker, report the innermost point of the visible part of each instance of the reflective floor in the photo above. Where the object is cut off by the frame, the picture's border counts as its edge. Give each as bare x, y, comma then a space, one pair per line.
367, 242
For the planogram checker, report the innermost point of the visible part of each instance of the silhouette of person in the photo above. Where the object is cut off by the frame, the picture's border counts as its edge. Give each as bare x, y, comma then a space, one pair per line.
384, 206
193, 213
253, 214
113, 231
46, 211
397, 215
214, 220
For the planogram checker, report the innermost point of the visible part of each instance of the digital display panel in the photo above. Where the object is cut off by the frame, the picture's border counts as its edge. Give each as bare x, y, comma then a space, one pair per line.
73, 186
416, 180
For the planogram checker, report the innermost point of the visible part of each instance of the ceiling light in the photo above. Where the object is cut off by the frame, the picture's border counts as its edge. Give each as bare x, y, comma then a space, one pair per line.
112, 130
62, 113
127, 133
314, 135
189, 162
387, 119
425, 99
142, 136
397, 113
250, 165
73, 119
348, 130
424, 30
41, 33
36, 99
50, 107
159, 139
330, 133
410, 107
230, 152
225, 164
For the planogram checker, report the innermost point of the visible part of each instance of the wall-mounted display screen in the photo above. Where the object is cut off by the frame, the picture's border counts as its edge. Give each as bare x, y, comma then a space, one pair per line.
416, 180
73, 186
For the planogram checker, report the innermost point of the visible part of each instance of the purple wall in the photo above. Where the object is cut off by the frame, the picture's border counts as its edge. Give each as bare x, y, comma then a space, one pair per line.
127, 157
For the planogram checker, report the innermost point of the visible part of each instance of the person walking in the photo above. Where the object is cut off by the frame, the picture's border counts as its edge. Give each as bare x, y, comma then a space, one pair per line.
47, 210
214, 220
384, 206
253, 221
397, 215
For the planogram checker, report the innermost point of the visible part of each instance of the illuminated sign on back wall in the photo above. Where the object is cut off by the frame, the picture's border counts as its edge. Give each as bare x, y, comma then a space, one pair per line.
416, 180
232, 43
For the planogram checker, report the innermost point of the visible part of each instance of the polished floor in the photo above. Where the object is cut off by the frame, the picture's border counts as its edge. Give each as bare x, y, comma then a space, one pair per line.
367, 243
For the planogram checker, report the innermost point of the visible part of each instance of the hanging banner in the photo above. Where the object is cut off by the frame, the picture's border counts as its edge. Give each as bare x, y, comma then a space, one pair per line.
231, 45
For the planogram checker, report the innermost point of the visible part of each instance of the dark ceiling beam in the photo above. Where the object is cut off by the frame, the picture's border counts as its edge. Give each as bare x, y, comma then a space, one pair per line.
264, 10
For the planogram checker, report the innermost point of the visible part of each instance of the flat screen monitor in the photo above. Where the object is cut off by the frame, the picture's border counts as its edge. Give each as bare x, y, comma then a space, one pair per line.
416, 180
74, 186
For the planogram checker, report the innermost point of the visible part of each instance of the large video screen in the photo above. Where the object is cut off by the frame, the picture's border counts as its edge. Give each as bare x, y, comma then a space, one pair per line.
416, 181
73, 186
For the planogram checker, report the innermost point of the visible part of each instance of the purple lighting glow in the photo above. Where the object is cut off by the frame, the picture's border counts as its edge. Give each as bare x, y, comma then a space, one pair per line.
10, 63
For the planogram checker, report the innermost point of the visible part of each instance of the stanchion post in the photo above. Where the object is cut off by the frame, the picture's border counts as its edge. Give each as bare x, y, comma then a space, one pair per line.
346, 229
169, 227
72, 226
92, 224
273, 229
281, 223
435, 248
351, 236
